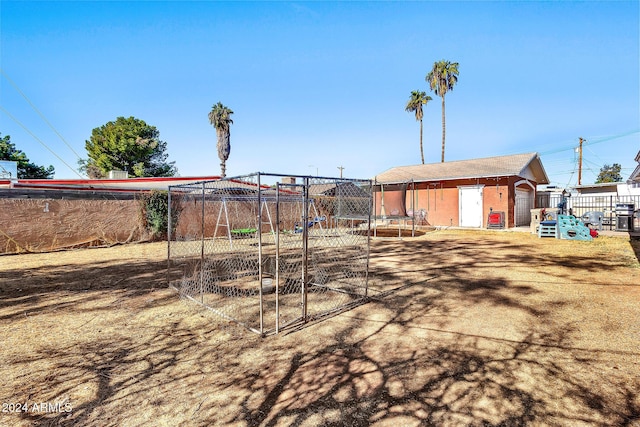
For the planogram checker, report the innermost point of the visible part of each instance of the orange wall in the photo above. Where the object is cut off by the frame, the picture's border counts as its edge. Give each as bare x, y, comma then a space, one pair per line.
441, 200
496, 195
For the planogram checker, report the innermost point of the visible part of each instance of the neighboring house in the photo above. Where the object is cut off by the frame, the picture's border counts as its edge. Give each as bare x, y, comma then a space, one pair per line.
353, 199
602, 189
344, 188
462, 193
634, 179
614, 189
117, 185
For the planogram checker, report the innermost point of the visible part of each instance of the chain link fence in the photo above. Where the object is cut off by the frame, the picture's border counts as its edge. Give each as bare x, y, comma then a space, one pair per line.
271, 251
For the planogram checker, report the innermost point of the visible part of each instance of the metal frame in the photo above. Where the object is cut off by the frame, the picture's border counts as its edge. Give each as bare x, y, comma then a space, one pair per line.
401, 219
317, 269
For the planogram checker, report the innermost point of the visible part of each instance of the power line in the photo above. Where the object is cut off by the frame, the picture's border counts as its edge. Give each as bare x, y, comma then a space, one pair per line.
39, 113
596, 155
595, 140
572, 173
592, 141
38, 139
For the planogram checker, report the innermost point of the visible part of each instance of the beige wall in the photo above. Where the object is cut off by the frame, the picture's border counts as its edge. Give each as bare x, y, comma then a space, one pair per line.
40, 225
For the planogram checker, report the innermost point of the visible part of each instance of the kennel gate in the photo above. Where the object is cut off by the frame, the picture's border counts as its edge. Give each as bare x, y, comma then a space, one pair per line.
270, 251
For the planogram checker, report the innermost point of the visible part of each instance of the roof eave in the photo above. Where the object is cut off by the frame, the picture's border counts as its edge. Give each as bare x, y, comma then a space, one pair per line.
454, 178
635, 175
535, 163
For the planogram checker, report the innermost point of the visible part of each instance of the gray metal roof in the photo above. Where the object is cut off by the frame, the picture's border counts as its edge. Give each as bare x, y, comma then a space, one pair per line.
526, 165
343, 189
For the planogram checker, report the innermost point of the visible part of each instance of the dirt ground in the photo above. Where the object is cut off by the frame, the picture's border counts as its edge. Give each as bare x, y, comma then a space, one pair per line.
464, 328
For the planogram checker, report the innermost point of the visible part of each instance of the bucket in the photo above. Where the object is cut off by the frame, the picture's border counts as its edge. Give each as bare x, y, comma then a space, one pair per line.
267, 285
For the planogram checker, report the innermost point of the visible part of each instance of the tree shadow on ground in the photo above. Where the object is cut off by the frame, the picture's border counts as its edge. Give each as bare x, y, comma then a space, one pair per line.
385, 371
460, 257
462, 380
396, 360
406, 374
115, 371
28, 292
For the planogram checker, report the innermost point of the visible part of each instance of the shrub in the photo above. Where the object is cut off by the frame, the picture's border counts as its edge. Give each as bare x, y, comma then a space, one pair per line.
155, 213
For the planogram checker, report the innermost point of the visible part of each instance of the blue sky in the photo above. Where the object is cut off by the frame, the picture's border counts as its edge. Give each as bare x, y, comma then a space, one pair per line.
317, 85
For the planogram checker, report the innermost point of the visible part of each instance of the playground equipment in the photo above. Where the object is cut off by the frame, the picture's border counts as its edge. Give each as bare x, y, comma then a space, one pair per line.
391, 208
566, 227
571, 228
555, 223
548, 228
593, 218
222, 220
310, 223
539, 215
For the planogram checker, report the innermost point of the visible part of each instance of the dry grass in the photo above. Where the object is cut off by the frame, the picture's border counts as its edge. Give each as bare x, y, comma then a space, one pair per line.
466, 328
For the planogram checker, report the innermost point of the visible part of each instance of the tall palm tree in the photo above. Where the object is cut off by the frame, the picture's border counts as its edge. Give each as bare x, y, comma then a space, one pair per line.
442, 78
415, 103
220, 118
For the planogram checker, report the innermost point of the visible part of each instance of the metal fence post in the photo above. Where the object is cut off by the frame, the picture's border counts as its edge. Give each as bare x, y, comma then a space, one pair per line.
612, 219
371, 207
277, 266
260, 272
168, 234
202, 250
305, 246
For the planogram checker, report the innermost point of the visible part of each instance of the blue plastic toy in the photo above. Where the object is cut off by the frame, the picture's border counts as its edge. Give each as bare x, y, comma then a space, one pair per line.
571, 228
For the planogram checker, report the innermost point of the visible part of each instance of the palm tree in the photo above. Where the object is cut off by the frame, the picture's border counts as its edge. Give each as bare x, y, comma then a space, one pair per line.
442, 78
220, 118
415, 103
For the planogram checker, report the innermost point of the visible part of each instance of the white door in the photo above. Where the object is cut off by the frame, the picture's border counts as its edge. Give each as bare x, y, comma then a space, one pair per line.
470, 206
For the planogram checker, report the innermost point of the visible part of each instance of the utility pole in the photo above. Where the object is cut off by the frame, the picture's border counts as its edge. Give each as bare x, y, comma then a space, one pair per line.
341, 169
580, 161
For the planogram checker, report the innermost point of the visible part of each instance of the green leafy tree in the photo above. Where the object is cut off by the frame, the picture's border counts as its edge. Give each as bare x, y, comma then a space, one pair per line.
414, 105
128, 144
609, 174
220, 118
26, 169
442, 78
